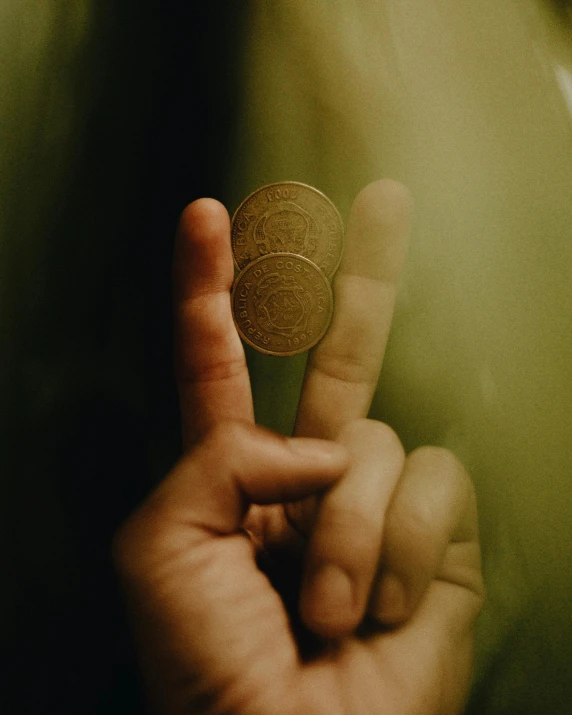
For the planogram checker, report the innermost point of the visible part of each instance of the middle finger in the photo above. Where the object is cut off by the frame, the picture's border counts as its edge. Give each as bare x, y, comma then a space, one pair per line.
343, 368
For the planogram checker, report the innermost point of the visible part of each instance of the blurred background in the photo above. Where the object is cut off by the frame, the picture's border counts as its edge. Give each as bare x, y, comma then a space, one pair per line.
113, 116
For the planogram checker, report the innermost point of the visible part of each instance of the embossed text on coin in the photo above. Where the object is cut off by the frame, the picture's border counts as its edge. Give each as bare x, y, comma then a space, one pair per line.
282, 304
288, 217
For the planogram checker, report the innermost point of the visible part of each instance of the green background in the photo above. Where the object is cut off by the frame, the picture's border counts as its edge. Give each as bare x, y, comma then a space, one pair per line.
113, 116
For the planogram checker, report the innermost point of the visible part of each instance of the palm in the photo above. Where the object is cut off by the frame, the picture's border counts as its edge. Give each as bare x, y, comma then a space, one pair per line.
421, 666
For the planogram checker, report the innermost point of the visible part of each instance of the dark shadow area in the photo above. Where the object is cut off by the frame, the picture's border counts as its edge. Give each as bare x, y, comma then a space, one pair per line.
89, 418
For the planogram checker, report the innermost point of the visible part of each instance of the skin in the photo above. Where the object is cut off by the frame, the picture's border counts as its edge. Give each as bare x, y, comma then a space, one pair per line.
385, 544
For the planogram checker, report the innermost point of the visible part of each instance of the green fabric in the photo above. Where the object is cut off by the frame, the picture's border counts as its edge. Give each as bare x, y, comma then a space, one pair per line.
114, 115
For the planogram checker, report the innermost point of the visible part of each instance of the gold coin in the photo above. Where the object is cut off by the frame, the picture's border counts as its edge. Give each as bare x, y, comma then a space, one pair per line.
282, 304
288, 217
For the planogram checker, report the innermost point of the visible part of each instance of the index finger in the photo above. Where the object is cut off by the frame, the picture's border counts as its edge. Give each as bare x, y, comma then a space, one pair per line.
344, 367
210, 366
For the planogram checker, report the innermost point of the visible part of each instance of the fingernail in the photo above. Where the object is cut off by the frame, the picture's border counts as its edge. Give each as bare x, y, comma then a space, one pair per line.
319, 449
392, 599
332, 594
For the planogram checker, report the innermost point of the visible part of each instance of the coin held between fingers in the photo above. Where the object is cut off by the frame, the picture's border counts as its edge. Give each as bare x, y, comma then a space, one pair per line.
282, 304
288, 217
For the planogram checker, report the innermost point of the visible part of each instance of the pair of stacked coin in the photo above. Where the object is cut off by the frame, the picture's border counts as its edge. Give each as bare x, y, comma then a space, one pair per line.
287, 242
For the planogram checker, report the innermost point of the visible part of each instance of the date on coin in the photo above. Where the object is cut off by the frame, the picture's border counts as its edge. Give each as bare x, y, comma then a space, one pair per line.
282, 304
288, 217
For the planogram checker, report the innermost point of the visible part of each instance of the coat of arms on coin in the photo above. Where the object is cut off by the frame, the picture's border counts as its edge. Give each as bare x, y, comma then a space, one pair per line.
288, 217
282, 304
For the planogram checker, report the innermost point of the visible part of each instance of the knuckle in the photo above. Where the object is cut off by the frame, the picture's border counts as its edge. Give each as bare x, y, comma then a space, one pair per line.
349, 539
411, 534
387, 436
377, 432
440, 457
412, 523
443, 463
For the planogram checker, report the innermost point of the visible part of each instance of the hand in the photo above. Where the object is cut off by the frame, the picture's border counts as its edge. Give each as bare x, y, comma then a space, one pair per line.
387, 544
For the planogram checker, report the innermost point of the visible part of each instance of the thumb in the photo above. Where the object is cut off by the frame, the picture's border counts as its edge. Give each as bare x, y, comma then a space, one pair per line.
205, 618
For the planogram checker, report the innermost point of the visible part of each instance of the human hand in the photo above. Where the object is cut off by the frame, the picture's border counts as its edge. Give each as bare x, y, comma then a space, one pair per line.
395, 617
